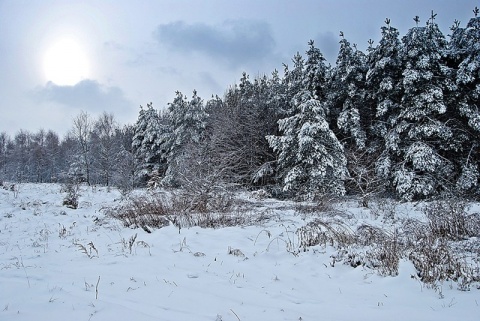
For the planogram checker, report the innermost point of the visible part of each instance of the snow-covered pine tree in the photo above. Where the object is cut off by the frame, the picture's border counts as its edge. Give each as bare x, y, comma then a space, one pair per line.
384, 90
384, 80
293, 82
419, 144
316, 72
151, 135
277, 100
310, 159
124, 175
188, 121
465, 46
347, 95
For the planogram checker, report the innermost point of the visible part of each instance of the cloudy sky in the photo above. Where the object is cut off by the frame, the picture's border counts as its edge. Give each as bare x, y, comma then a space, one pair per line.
61, 57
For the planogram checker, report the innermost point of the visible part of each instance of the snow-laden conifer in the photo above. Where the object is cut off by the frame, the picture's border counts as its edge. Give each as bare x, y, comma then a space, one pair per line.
150, 137
347, 94
311, 160
188, 121
422, 137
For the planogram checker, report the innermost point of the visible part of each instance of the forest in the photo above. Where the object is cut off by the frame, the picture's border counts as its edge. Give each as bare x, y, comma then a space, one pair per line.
400, 120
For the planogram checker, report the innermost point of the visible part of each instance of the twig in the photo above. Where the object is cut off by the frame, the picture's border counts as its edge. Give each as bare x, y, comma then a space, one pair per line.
25, 271
235, 314
96, 288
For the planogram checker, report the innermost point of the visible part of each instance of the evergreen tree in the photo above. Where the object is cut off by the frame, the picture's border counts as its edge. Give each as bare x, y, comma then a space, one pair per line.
419, 144
384, 90
188, 121
465, 44
384, 81
316, 72
293, 83
311, 161
126, 166
347, 95
149, 144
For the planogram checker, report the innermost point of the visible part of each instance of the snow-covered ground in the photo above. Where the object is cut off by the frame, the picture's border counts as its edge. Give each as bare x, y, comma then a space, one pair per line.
63, 264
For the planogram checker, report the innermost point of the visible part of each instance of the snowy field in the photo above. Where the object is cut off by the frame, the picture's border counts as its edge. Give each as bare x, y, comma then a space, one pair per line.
58, 263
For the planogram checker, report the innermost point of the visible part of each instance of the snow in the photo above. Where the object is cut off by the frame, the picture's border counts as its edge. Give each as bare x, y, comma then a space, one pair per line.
232, 273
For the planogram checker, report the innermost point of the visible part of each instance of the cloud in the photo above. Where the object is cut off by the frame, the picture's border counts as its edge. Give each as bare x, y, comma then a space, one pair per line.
235, 41
209, 82
88, 95
328, 43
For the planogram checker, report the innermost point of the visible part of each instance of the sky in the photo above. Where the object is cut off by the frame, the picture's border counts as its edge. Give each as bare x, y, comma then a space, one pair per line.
59, 58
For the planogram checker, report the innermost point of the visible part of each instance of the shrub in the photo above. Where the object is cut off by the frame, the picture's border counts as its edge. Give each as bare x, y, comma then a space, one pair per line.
143, 212
325, 232
435, 260
449, 219
73, 194
181, 209
446, 246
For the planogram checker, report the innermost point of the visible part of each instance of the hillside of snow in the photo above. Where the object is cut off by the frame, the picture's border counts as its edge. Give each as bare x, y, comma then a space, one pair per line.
58, 263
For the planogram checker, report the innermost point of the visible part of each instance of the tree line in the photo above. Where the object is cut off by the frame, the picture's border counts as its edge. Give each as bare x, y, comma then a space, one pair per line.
95, 151
401, 118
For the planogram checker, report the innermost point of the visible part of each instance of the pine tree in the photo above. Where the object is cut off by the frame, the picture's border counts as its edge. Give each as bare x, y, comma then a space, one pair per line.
293, 82
347, 95
124, 177
384, 80
310, 159
316, 72
385, 90
419, 144
188, 121
465, 45
149, 144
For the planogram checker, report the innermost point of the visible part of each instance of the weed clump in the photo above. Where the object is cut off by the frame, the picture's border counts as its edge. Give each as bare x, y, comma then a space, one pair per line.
72, 191
157, 210
443, 247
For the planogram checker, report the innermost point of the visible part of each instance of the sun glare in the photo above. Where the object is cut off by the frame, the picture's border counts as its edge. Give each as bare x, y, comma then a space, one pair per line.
65, 63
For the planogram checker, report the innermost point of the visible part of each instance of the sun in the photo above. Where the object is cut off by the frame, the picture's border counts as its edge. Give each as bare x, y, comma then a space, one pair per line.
65, 63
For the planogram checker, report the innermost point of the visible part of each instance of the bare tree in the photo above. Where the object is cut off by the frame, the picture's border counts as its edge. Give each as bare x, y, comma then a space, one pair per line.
363, 179
104, 147
82, 127
38, 157
4, 141
52, 148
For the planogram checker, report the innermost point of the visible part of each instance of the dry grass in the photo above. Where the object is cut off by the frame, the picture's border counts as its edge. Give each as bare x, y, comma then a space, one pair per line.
322, 231
153, 211
444, 247
182, 210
